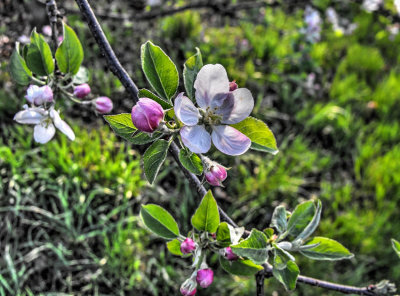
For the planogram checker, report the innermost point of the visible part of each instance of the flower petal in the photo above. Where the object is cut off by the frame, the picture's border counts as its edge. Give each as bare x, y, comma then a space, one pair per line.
30, 116
210, 81
44, 132
229, 140
186, 111
196, 138
62, 125
243, 104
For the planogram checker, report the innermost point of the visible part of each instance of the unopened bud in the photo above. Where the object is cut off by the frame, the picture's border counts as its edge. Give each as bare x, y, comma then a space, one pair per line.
147, 115
205, 277
233, 86
103, 105
39, 95
216, 174
82, 90
188, 246
229, 255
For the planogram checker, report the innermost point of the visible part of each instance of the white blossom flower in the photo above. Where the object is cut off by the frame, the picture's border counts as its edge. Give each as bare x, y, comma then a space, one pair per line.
313, 22
371, 5
39, 95
218, 107
45, 122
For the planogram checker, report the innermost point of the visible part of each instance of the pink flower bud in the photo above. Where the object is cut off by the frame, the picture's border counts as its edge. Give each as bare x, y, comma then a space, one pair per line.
103, 105
47, 30
216, 174
39, 95
205, 277
147, 115
82, 90
188, 246
188, 288
229, 255
233, 86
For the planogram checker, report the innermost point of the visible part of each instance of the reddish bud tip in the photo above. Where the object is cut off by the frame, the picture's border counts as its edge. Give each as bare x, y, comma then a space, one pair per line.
103, 105
233, 86
205, 277
216, 174
147, 115
188, 246
82, 90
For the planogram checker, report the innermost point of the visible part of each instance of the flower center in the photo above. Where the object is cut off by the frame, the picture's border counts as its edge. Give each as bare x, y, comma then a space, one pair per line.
210, 116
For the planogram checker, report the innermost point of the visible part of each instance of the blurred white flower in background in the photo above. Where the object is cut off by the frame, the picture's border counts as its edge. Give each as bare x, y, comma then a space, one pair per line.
371, 5
341, 26
313, 22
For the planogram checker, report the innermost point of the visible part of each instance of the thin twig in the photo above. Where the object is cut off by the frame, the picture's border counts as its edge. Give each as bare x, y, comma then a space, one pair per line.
120, 72
105, 47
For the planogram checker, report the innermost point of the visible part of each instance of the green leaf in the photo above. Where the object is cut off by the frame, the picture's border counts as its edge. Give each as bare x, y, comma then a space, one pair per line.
269, 232
255, 247
160, 71
300, 218
326, 249
153, 158
174, 247
206, 217
262, 138
69, 54
145, 93
122, 125
281, 257
396, 246
223, 235
39, 58
310, 228
287, 276
159, 221
191, 161
82, 76
190, 69
279, 220
240, 267
18, 69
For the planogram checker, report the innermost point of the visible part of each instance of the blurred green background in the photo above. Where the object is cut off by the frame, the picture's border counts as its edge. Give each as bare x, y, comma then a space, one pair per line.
68, 210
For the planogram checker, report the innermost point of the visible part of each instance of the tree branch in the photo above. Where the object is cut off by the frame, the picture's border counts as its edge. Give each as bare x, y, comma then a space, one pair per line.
130, 86
105, 47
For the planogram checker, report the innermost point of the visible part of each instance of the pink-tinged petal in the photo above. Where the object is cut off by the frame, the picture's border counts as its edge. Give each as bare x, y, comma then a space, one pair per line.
31, 93
229, 140
30, 116
196, 138
186, 111
62, 125
210, 81
243, 104
44, 132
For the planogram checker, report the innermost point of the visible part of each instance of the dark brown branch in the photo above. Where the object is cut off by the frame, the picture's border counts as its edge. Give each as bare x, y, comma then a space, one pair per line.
122, 75
105, 47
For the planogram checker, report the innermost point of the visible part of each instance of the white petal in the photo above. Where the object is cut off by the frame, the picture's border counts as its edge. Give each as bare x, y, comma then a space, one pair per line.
210, 81
30, 116
185, 110
229, 140
62, 125
44, 132
243, 104
196, 138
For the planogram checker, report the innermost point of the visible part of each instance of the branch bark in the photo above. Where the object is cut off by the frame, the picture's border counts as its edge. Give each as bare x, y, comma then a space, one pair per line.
132, 89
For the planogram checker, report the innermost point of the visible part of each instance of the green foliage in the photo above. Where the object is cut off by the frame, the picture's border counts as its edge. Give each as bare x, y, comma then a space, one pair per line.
144, 93
153, 158
18, 69
174, 247
396, 246
326, 249
287, 276
39, 58
190, 69
191, 161
159, 221
279, 220
240, 267
69, 54
254, 247
300, 218
160, 71
206, 217
261, 137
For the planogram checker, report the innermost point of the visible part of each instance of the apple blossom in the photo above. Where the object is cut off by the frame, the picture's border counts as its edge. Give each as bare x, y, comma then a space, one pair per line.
82, 90
218, 108
188, 288
215, 174
103, 105
45, 122
39, 95
229, 255
147, 115
205, 277
188, 246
